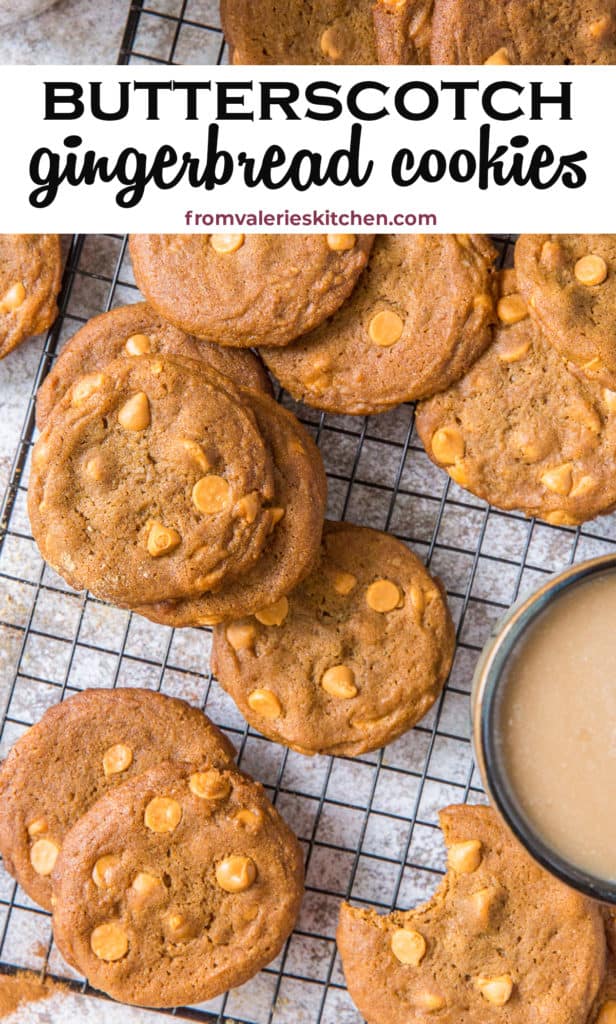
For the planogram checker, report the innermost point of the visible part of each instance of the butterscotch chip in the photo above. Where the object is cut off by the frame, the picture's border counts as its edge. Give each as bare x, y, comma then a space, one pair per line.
117, 759
511, 309
344, 583
162, 814
607, 1013
559, 479
75, 735
591, 270
464, 858
248, 507
43, 856
145, 885
280, 287
340, 677
138, 345
96, 538
179, 927
341, 243
459, 474
247, 818
211, 494
95, 468
408, 946
396, 338
241, 635
383, 596
196, 454
162, 540
274, 614
235, 874
103, 870
210, 785
135, 414
109, 941
448, 445
559, 517
386, 328
443, 974
265, 703
87, 386
500, 57
513, 350
30, 273
226, 244
330, 45
496, 990
38, 827
339, 682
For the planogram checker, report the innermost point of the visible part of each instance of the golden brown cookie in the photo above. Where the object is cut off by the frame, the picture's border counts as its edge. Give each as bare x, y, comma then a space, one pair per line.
30, 278
569, 282
403, 30
299, 500
151, 482
605, 1011
176, 886
500, 940
80, 749
246, 290
524, 32
421, 314
133, 331
354, 657
522, 431
299, 31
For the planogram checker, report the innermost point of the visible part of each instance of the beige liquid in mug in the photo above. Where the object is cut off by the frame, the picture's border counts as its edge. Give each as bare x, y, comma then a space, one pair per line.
558, 725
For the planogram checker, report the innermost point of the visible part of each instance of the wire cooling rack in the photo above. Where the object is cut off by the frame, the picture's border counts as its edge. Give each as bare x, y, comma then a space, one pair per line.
368, 825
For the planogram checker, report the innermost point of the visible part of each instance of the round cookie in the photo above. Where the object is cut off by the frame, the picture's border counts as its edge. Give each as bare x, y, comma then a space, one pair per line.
138, 330
297, 32
177, 886
500, 940
30, 278
354, 657
151, 482
300, 499
403, 31
419, 317
524, 32
523, 432
569, 282
245, 290
81, 748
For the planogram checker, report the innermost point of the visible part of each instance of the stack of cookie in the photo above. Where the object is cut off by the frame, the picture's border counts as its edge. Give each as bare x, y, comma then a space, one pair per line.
171, 876
496, 32
167, 479
532, 425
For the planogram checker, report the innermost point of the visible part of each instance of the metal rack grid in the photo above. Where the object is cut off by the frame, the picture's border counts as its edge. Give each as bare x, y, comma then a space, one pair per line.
368, 825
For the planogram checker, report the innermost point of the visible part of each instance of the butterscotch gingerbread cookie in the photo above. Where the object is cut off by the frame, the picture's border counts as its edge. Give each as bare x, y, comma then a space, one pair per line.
353, 658
176, 886
80, 749
298, 507
420, 315
403, 30
501, 939
297, 32
519, 32
569, 282
151, 481
521, 430
133, 331
30, 278
247, 290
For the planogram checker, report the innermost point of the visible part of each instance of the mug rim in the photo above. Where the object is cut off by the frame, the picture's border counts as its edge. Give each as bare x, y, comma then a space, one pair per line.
488, 678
